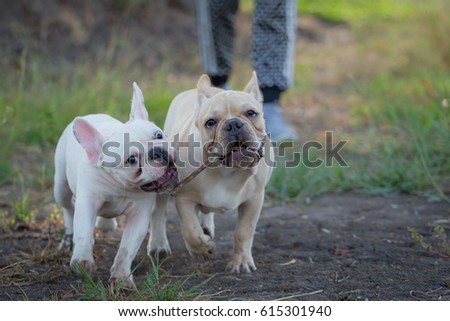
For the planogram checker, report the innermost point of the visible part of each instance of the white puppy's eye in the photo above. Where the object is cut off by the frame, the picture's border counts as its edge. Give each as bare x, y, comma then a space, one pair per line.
132, 160
252, 113
159, 135
210, 123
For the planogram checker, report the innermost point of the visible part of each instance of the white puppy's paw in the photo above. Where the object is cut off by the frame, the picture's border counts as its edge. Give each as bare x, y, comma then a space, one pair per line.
122, 281
158, 249
201, 247
87, 264
241, 263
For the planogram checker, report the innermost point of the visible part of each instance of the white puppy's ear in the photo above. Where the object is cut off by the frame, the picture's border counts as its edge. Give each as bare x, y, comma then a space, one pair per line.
252, 88
138, 110
203, 86
90, 139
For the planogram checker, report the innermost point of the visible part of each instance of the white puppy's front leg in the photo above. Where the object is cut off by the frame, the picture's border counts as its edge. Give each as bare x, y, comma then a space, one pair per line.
158, 245
197, 243
133, 235
86, 209
248, 213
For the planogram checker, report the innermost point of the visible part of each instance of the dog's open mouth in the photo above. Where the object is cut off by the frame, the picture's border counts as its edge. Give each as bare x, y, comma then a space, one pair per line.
166, 182
243, 155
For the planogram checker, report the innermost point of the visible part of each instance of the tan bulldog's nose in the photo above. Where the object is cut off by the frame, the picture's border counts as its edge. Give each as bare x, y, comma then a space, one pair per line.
233, 126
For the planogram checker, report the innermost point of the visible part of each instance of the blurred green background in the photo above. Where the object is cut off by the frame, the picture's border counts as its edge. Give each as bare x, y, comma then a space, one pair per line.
384, 64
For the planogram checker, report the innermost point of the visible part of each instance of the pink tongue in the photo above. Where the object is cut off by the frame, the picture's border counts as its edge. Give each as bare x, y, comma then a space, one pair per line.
163, 179
168, 179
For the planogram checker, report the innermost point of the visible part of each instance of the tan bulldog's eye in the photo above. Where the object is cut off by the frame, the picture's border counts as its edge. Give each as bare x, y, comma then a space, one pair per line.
210, 123
252, 113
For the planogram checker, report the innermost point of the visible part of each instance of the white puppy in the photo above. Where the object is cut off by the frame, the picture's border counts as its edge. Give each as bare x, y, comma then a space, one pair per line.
106, 168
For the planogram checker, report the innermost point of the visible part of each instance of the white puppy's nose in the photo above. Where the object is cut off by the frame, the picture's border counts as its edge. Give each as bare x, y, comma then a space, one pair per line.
159, 155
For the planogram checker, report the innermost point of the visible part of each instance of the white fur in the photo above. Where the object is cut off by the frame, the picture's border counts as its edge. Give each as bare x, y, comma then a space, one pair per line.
85, 190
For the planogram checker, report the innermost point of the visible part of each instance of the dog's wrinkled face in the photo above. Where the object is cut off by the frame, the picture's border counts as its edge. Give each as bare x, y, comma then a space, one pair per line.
231, 123
146, 160
137, 155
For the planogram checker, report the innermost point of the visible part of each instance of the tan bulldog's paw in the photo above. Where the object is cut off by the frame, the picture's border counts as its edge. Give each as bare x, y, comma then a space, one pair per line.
201, 247
241, 263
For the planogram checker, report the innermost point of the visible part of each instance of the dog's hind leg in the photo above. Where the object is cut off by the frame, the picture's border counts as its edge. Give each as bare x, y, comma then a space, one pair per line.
64, 198
207, 223
106, 224
158, 244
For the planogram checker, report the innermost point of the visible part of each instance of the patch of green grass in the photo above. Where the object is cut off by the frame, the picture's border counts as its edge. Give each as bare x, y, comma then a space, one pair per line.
435, 17
350, 11
356, 11
438, 244
156, 287
399, 144
6, 170
43, 179
21, 213
400, 121
37, 102
411, 118
300, 183
45, 101
293, 179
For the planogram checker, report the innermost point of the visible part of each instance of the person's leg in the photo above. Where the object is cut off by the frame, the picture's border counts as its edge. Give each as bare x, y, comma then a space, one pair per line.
215, 25
273, 43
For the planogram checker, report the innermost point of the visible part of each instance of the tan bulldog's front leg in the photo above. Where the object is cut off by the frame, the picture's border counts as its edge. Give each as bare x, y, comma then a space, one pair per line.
248, 214
197, 242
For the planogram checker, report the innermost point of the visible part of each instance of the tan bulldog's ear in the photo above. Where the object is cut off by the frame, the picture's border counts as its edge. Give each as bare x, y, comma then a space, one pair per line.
252, 88
203, 85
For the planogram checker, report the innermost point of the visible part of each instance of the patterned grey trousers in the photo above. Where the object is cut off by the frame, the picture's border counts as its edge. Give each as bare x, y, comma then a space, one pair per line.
273, 39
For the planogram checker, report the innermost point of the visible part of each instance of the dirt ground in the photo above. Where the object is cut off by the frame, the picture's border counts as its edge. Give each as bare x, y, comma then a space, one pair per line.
337, 247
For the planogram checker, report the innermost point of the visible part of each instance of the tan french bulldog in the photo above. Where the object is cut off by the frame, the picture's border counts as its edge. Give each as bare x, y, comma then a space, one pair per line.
226, 126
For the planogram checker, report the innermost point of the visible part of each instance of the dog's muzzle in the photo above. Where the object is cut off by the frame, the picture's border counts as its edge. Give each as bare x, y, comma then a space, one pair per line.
170, 178
239, 154
243, 156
